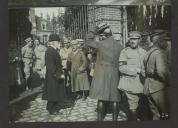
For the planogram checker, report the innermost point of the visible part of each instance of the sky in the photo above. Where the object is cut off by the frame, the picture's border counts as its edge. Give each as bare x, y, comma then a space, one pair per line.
49, 10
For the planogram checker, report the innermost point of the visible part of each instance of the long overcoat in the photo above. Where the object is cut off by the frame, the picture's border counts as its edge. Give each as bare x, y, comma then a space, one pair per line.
106, 75
79, 78
53, 89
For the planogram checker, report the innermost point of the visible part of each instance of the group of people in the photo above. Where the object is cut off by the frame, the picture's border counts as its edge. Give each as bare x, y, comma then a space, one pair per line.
101, 68
25, 61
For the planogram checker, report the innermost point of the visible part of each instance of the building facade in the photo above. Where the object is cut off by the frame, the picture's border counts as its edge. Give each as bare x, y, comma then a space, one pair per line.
80, 20
115, 16
76, 22
41, 27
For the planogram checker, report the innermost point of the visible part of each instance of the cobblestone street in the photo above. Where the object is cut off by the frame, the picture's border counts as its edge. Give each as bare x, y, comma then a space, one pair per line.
82, 111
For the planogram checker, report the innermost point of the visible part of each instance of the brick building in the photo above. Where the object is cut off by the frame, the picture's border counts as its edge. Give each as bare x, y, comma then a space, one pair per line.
80, 20
115, 16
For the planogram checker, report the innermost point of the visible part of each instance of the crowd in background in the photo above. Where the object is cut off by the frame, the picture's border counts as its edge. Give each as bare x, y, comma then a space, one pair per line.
135, 78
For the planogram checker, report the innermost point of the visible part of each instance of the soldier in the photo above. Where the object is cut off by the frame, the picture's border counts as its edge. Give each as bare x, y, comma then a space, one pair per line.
28, 57
145, 36
39, 64
157, 76
167, 40
130, 66
106, 78
64, 52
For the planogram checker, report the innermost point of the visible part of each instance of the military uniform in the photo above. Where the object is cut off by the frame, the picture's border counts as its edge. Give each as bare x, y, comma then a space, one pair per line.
131, 59
40, 60
145, 38
130, 67
27, 58
64, 52
157, 81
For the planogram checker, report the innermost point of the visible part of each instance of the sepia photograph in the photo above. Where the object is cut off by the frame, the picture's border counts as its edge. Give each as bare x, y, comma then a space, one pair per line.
87, 2
89, 63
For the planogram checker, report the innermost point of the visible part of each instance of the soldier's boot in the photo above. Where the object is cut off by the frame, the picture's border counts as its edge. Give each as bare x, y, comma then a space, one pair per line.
164, 116
132, 115
100, 111
115, 111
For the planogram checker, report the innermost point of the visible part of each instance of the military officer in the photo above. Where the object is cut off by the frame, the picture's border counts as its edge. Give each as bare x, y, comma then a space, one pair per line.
145, 36
157, 76
130, 67
39, 52
64, 52
28, 56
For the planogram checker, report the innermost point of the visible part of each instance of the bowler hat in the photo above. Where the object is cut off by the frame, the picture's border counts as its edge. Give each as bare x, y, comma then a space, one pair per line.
54, 37
134, 35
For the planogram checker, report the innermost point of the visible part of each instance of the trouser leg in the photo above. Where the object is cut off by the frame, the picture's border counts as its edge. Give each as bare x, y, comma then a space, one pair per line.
123, 104
27, 71
133, 104
159, 104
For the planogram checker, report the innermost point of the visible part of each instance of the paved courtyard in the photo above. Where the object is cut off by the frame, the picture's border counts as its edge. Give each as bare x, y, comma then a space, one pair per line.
81, 111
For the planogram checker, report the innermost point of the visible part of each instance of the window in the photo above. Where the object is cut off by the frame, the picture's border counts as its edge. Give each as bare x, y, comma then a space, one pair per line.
43, 27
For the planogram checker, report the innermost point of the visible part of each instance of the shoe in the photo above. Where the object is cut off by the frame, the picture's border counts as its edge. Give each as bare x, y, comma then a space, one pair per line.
84, 98
53, 113
78, 97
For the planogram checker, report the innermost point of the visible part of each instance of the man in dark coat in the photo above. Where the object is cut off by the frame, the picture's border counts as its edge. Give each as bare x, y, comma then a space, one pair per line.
157, 77
53, 89
106, 79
